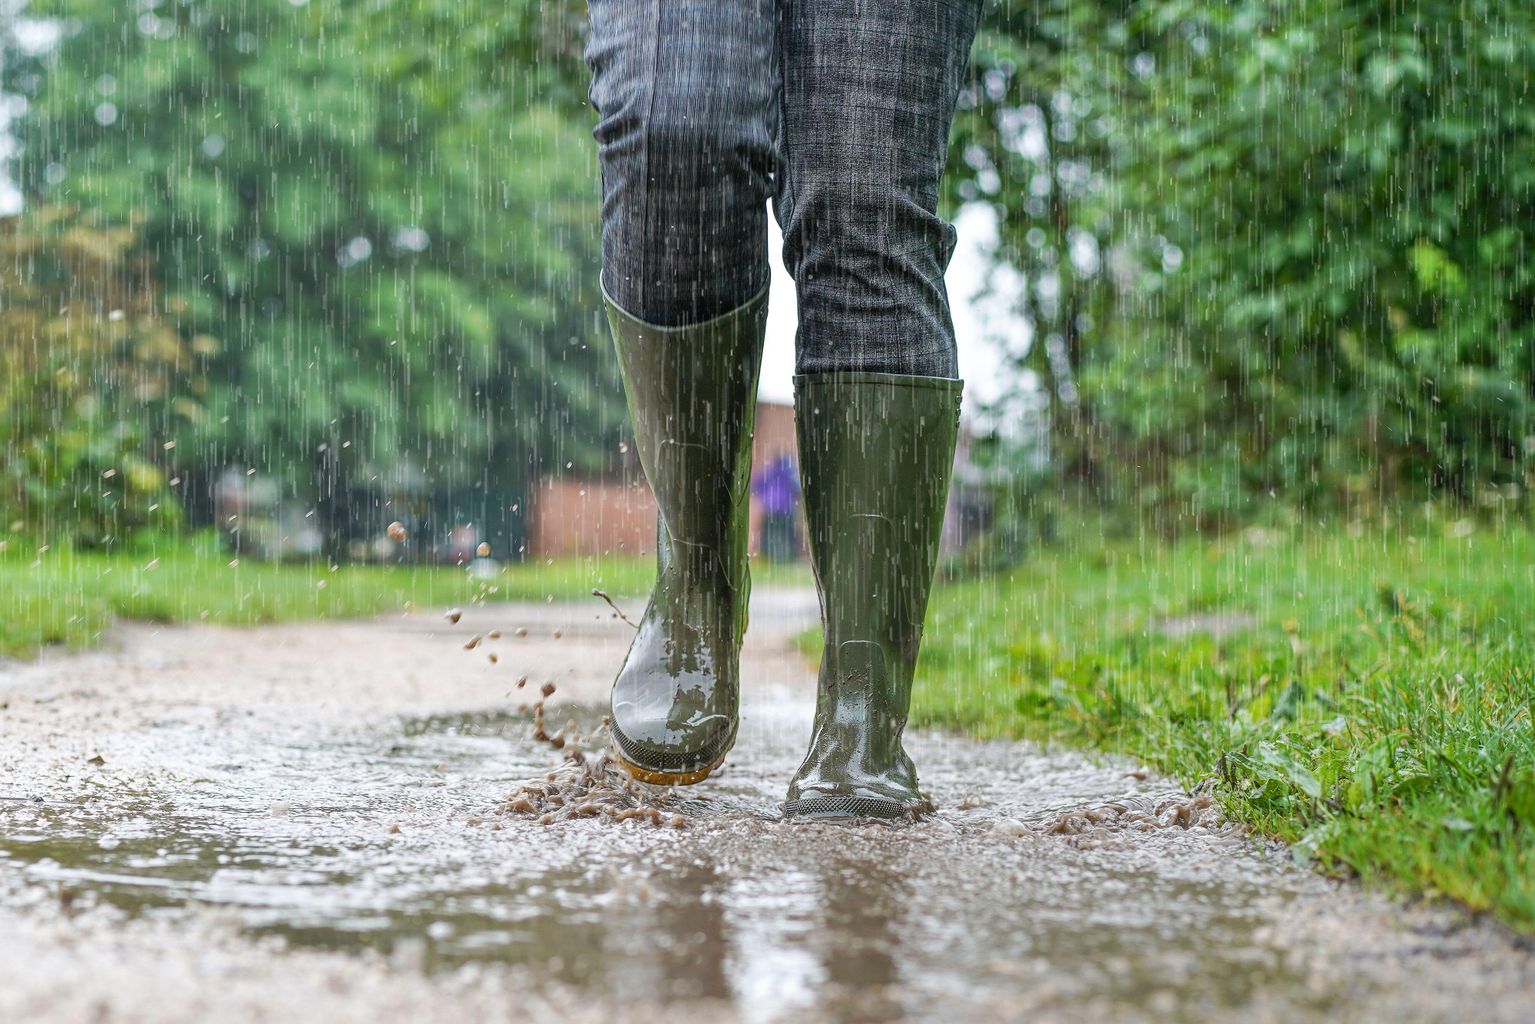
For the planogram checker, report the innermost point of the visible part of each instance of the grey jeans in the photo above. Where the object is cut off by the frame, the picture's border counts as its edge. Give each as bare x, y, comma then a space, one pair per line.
837, 110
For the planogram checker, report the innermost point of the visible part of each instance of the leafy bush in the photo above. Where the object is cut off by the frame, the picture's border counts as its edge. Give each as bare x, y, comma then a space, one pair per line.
94, 383
385, 213
1272, 252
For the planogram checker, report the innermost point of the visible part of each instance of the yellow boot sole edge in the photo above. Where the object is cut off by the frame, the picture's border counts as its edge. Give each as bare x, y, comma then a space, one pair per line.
668, 778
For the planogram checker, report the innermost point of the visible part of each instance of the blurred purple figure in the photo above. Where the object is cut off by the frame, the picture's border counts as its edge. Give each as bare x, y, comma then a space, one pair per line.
776, 489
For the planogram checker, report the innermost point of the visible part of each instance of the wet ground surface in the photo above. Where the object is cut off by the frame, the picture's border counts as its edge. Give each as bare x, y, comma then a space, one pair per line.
307, 822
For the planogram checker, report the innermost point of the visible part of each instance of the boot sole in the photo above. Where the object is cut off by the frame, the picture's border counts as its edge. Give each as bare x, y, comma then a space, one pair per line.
655, 778
659, 777
844, 807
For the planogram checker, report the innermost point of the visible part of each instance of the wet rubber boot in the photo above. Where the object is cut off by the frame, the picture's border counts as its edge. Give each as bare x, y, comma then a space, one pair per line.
876, 454
693, 397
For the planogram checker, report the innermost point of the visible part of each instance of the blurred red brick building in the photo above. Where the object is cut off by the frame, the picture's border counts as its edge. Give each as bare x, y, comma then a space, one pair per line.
569, 515
590, 516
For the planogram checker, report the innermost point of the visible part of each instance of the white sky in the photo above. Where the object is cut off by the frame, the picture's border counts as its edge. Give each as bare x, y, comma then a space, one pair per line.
985, 324
10, 198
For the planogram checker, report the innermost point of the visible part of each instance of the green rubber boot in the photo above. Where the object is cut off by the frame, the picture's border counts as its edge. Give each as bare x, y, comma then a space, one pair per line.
693, 397
876, 454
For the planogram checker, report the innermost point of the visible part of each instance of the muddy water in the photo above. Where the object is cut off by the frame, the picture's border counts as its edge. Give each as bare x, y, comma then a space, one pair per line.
307, 822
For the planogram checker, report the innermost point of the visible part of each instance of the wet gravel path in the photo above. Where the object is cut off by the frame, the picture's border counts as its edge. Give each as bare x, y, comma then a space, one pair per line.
306, 823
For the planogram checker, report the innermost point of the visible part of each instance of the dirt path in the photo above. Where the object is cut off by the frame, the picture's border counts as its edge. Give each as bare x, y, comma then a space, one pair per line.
304, 823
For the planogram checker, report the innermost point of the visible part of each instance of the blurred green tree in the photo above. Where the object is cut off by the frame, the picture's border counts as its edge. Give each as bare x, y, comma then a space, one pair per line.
95, 385
1276, 253
1273, 253
385, 212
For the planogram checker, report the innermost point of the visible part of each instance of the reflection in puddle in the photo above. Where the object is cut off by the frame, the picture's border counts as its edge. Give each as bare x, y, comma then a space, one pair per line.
302, 786
388, 838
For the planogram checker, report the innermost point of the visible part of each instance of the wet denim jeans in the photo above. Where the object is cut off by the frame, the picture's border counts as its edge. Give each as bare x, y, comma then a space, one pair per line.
836, 110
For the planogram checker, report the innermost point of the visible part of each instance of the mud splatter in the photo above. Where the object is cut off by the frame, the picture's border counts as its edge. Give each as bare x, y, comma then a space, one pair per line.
598, 592
593, 787
1195, 810
587, 784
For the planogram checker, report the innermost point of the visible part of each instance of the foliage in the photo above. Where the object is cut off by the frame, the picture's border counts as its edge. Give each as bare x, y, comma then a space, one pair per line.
95, 384
1271, 252
1379, 717
1272, 249
385, 211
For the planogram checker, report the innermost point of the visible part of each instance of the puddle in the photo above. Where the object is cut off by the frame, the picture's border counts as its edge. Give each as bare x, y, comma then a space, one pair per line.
375, 827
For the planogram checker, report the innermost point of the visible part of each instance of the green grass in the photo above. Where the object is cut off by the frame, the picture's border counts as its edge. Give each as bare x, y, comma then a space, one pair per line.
1367, 697
72, 599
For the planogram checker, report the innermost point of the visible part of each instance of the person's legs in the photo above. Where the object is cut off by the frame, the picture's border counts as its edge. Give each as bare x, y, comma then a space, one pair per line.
869, 90
686, 93
869, 94
687, 97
